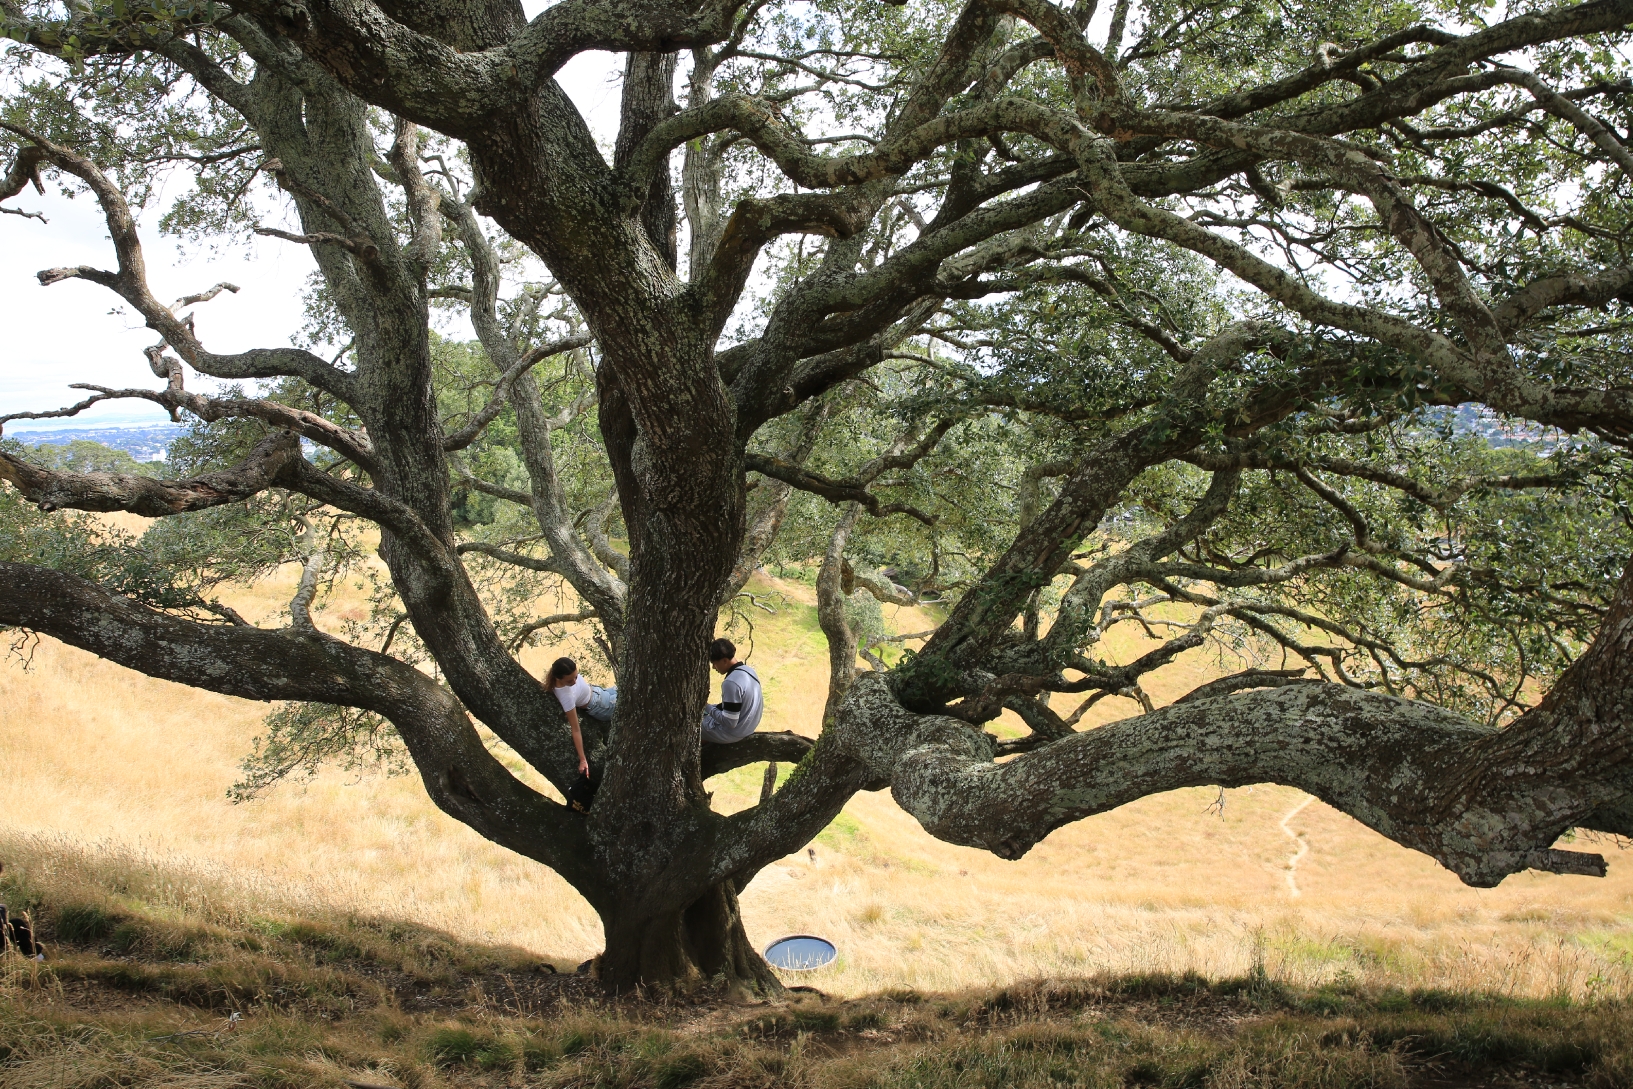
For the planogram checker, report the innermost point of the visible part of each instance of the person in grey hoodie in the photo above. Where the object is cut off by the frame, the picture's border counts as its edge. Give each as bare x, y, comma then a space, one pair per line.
738, 713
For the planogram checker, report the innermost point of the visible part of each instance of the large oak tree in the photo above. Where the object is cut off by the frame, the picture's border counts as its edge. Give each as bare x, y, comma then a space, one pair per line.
1196, 316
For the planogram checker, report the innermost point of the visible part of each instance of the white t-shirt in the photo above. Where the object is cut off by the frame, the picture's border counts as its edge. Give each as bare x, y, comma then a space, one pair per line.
574, 695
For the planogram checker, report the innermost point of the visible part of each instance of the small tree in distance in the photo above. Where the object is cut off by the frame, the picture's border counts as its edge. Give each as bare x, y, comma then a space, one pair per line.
1209, 318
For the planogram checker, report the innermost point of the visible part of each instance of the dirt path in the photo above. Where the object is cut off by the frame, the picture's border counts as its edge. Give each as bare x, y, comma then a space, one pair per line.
1301, 845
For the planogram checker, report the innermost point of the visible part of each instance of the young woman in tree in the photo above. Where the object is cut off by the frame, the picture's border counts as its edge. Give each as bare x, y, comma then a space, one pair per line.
578, 696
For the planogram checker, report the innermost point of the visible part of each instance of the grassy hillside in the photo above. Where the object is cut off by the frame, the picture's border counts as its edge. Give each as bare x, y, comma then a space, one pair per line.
122, 772
195, 978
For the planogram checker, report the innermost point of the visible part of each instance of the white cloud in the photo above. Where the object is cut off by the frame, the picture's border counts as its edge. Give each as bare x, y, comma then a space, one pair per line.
65, 333
76, 331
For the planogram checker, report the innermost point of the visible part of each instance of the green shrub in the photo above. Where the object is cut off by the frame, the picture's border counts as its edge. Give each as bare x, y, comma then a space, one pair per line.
84, 923
585, 1032
125, 937
539, 1053
863, 1019
1438, 1001
676, 1070
817, 1020
457, 1045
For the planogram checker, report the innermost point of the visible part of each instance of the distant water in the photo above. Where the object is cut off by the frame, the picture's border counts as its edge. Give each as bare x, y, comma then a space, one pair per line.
141, 443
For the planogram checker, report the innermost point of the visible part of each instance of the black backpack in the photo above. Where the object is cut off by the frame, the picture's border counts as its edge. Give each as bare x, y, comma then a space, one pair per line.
17, 933
581, 794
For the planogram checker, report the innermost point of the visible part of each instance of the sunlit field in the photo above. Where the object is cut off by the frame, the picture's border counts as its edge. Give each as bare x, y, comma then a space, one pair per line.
99, 763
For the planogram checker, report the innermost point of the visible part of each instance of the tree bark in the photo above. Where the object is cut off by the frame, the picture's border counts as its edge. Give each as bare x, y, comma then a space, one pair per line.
1483, 802
460, 775
761, 747
653, 858
148, 496
702, 944
831, 597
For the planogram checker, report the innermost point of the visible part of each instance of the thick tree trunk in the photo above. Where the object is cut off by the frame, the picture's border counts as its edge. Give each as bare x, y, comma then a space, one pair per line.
702, 944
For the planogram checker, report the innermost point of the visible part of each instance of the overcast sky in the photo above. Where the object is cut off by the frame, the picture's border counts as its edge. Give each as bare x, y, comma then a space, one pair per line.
65, 333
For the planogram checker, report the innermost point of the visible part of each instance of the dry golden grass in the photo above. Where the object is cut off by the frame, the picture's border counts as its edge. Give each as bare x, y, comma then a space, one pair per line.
1083, 1034
95, 754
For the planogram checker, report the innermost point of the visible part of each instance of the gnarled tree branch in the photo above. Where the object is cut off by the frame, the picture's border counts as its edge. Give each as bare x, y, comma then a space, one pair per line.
271, 463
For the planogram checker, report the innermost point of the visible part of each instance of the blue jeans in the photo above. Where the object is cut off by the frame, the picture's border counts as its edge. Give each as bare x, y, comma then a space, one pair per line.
602, 701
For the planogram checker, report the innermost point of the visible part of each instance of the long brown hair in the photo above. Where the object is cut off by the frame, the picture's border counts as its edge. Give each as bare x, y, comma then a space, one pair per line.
561, 669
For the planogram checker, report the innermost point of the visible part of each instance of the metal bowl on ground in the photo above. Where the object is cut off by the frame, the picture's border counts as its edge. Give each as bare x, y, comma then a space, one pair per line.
801, 953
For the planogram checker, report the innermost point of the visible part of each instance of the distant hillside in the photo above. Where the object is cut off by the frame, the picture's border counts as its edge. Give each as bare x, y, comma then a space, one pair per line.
141, 443
152, 443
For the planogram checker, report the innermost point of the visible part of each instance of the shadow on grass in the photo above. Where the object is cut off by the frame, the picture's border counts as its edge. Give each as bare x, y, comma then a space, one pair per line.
86, 1022
156, 979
